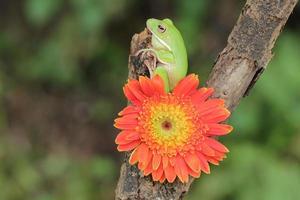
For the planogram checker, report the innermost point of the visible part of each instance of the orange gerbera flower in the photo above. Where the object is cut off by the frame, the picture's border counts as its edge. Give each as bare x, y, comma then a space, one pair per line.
172, 134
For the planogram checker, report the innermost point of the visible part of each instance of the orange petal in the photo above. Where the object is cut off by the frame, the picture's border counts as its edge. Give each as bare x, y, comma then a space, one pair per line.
129, 110
216, 145
212, 160
172, 161
165, 161
133, 135
193, 173
158, 84
125, 137
125, 126
129, 146
130, 96
156, 174
201, 95
121, 138
162, 179
187, 85
170, 173
126, 123
205, 149
219, 156
140, 165
149, 160
148, 169
143, 153
127, 119
130, 116
181, 169
135, 89
134, 158
204, 164
210, 105
193, 162
217, 117
156, 161
146, 86
219, 129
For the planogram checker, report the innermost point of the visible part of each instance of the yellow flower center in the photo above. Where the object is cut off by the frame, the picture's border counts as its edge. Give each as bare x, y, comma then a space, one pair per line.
169, 124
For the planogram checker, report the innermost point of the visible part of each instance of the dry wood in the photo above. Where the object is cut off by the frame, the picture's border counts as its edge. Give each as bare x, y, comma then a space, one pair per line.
235, 71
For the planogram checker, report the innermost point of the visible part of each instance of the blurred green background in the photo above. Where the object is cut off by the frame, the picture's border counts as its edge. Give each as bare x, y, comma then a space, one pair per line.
62, 67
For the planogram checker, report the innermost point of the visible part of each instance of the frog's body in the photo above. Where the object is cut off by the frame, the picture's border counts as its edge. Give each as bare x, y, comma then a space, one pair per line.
169, 49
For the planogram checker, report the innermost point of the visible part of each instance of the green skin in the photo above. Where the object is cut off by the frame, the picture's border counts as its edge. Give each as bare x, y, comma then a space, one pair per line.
169, 50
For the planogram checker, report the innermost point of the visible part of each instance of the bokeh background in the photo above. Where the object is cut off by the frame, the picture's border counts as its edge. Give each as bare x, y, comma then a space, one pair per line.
62, 67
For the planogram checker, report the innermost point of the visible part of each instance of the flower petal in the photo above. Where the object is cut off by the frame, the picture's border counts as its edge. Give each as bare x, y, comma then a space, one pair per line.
147, 162
147, 86
219, 156
165, 161
186, 86
125, 126
129, 110
156, 161
144, 156
125, 137
170, 173
201, 95
158, 84
217, 117
219, 129
134, 158
216, 145
204, 164
193, 162
156, 174
212, 160
129, 146
133, 135
148, 169
127, 119
126, 123
181, 169
193, 173
162, 178
121, 138
205, 149
172, 161
210, 106
130, 96
135, 88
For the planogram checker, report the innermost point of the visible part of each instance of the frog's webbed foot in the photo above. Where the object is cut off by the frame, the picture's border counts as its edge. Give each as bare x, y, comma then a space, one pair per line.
149, 58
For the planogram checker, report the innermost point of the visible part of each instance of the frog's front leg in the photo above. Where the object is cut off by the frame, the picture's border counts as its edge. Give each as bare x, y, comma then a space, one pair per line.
163, 73
162, 57
165, 66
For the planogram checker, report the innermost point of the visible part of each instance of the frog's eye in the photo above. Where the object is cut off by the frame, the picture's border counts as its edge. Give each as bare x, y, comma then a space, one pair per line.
161, 28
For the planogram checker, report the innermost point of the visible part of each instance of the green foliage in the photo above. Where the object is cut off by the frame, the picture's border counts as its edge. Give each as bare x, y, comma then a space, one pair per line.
191, 15
24, 175
40, 12
251, 171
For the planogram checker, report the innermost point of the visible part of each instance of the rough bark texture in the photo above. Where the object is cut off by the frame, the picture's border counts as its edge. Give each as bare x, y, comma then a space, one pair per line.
236, 70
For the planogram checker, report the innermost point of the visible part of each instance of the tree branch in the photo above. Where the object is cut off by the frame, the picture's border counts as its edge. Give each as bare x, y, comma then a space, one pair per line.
235, 71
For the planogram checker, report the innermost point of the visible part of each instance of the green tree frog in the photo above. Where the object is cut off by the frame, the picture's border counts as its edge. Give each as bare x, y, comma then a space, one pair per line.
169, 50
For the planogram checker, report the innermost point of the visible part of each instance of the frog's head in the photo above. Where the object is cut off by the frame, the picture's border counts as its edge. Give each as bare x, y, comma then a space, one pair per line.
164, 33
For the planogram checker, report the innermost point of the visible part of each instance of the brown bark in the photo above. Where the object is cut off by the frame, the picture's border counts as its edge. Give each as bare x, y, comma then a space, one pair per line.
236, 70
